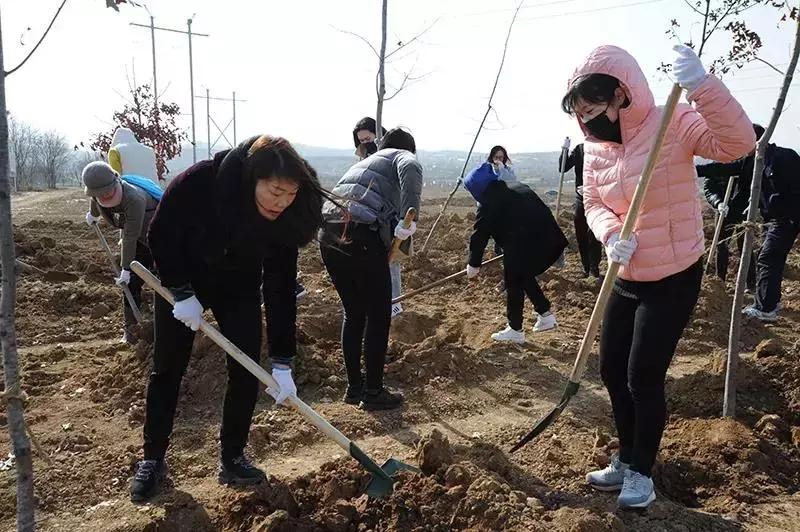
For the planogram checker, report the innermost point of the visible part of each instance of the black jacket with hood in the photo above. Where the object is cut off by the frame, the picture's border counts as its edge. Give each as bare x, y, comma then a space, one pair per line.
520, 222
208, 239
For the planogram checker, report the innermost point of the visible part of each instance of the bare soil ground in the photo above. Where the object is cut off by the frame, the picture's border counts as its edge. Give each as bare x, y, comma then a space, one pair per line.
468, 402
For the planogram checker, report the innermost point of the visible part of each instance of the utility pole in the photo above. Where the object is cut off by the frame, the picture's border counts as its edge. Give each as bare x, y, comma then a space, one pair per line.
188, 32
210, 120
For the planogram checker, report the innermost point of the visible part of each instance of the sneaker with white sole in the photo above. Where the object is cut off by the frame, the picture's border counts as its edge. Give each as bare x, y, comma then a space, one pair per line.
767, 317
509, 335
637, 491
397, 308
609, 478
545, 322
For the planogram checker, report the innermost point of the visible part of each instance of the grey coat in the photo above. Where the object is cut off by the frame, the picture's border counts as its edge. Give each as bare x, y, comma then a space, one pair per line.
378, 190
132, 216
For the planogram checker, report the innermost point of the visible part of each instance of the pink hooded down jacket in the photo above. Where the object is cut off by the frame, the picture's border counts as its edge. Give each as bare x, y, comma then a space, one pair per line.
669, 228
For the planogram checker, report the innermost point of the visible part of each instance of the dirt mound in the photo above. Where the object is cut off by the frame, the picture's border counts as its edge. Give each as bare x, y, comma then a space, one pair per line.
722, 465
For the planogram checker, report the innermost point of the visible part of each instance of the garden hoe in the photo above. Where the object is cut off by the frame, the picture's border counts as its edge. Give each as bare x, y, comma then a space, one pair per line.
134, 308
608, 283
381, 483
440, 282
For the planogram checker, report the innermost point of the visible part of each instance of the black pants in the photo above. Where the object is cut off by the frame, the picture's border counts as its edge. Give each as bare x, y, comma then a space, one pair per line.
518, 285
135, 285
640, 332
723, 254
772, 260
360, 272
589, 248
239, 318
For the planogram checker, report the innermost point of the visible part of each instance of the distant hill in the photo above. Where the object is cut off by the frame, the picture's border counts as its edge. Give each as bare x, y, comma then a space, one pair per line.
442, 168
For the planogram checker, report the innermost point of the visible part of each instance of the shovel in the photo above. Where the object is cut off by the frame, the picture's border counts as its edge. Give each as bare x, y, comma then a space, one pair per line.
134, 308
55, 276
564, 155
608, 283
394, 254
381, 483
720, 222
440, 282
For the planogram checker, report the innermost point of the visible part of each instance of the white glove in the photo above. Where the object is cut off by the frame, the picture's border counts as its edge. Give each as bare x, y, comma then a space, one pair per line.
402, 233
565, 146
91, 219
687, 68
722, 209
472, 271
620, 251
190, 312
124, 277
283, 376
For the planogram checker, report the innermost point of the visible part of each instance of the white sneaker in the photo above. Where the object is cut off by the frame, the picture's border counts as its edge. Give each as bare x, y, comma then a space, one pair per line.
509, 335
545, 322
610, 478
637, 491
397, 308
767, 317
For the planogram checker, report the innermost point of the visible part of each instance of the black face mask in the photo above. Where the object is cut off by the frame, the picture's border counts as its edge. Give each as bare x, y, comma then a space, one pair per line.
603, 128
371, 148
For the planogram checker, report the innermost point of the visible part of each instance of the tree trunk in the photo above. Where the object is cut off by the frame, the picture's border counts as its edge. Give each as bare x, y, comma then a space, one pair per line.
729, 405
381, 89
8, 335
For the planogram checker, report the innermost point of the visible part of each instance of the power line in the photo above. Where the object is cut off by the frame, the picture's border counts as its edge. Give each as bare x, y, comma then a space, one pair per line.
584, 11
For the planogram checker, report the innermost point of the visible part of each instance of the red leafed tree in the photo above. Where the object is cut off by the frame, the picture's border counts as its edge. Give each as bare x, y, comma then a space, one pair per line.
154, 127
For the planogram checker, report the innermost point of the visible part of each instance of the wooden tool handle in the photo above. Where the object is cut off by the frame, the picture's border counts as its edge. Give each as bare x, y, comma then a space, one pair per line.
440, 282
127, 291
249, 364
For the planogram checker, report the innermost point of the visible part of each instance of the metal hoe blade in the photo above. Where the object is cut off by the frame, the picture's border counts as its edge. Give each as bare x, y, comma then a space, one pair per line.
382, 485
569, 391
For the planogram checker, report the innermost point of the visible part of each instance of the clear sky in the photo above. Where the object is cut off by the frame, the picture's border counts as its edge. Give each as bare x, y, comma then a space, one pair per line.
306, 80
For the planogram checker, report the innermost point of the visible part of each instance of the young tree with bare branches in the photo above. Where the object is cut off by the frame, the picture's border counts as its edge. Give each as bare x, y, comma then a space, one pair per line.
12, 392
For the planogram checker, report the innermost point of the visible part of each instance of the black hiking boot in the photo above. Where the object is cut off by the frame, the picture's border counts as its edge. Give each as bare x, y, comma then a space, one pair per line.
382, 400
149, 475
239, 472
353, 395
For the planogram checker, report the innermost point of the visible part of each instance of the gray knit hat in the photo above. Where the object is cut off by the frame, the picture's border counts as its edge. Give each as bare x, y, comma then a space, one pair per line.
99, 179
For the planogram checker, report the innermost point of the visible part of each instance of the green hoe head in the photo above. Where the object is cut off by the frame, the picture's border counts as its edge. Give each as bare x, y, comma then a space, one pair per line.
382, 485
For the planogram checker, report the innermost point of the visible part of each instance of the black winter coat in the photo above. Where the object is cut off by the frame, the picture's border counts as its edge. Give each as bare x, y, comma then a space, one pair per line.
780, 184
520, 222
208, 239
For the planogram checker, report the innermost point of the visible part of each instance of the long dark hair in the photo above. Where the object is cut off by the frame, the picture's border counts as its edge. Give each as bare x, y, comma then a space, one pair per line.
367, 124
494, 150
592, 88
269, 157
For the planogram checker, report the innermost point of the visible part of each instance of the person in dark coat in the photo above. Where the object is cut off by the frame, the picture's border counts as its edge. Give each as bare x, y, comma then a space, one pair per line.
715, 183
519, 221
589, 248
226, 233
780, 208
355, 248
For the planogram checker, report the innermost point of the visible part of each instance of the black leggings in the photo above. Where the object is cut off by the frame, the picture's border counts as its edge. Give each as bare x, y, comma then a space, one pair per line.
239, 318
519, 285
589, 248
359, 270
641, 328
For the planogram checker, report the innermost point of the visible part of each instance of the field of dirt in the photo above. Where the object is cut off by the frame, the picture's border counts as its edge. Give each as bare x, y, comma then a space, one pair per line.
468, 401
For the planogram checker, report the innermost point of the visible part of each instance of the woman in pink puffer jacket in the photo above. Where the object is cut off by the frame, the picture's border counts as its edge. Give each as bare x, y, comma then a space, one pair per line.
659, 280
